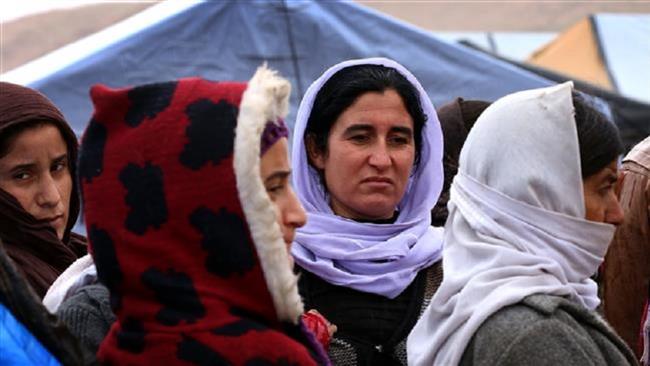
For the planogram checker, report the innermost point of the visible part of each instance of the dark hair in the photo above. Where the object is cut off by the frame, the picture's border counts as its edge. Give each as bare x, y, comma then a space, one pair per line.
345, 86
598, 137
9, 133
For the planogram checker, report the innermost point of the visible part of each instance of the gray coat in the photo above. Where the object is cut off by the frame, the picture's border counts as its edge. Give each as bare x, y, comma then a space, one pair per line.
546, 330
88, 315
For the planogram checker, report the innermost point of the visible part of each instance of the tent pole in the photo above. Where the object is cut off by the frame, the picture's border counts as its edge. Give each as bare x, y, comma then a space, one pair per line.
292, 47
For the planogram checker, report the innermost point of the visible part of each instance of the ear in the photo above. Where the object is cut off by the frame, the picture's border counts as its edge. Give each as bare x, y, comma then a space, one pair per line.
315, 156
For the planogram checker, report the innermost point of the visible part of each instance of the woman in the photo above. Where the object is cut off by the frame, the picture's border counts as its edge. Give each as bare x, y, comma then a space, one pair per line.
189, 227
532, 211
367, 162
38, 193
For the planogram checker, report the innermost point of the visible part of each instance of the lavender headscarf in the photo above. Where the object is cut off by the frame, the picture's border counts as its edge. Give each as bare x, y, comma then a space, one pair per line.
378, 258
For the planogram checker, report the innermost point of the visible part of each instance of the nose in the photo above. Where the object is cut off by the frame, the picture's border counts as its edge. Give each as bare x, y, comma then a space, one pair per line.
379, 157
615, 214
48, 194
294, 215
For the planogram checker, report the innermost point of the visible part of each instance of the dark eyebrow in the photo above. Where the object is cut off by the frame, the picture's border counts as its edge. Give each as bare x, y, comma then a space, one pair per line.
60, 158
28, 166
366, 127
278, 175
358, 128
404, 130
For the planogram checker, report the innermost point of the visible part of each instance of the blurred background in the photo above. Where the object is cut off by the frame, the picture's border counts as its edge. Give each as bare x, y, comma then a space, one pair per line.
472, 49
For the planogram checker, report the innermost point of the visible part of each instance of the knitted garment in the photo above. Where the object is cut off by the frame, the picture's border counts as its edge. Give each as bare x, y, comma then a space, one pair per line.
182, 230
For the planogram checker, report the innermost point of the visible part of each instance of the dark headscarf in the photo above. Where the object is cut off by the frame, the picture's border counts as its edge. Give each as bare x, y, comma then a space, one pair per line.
456, 118
32, 244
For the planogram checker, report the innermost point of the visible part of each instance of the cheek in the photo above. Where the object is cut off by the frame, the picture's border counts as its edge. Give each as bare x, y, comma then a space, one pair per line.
65, 190
23, 195
595, 207
278, 215
404, 163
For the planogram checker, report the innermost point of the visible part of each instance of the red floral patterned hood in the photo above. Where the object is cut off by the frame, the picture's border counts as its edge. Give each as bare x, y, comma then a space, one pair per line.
181, 228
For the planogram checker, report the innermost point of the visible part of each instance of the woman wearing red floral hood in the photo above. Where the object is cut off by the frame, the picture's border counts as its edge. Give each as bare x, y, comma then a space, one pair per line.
189, 215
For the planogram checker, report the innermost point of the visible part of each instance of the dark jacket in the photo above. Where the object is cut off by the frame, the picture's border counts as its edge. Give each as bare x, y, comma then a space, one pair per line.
546, 330
28, 325
372, 329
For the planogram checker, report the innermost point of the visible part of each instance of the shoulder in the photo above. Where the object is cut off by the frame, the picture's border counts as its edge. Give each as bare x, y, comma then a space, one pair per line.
541, 328
92, 299
18, 345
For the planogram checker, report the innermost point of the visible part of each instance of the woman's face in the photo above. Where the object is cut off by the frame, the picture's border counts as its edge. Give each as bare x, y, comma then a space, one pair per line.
275, 171
601, 201
37, 174
370, 154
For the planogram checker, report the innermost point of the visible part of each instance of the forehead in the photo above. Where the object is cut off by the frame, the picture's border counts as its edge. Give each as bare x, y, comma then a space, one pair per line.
275, 158
42, 138
608, 173
376, 109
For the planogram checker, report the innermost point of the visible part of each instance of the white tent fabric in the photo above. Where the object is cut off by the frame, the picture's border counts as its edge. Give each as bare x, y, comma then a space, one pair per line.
625, 42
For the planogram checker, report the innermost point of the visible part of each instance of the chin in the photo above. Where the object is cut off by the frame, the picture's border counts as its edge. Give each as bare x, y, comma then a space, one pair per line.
379, 211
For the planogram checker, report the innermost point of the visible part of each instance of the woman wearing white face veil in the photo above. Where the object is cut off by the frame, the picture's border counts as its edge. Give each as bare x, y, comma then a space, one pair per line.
530, 219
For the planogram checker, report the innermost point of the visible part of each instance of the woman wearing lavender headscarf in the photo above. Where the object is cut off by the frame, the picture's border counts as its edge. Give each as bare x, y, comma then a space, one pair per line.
367, 165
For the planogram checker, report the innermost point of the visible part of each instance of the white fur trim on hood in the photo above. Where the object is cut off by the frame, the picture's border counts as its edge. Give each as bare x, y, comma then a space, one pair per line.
265, 99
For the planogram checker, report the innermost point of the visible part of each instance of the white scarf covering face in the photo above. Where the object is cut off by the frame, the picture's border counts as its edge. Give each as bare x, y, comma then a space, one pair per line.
516, 223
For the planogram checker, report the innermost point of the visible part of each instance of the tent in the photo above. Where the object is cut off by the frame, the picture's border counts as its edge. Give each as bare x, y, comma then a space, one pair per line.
227, 40
632, 117
611, 51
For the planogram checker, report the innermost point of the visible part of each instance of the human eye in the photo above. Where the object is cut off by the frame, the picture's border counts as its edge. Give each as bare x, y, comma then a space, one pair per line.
359, 138
399, 140
21, 175
60, 165
607, 189
275, 187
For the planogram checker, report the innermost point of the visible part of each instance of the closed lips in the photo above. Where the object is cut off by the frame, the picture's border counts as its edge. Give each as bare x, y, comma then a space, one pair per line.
378, 180
53, 218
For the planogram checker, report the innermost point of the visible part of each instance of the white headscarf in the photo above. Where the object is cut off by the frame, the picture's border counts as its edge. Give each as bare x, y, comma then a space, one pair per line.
516, 223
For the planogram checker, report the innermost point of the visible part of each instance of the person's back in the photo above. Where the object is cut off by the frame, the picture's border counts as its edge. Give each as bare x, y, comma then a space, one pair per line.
545, 330
626, 274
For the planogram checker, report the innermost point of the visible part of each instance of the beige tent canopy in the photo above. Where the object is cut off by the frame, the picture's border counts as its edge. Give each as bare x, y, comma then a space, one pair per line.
576, 53
611, 51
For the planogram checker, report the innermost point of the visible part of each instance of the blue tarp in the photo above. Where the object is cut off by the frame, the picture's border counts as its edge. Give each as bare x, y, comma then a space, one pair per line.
227, 40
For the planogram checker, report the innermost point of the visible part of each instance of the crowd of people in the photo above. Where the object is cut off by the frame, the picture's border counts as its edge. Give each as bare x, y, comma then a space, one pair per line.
510, 232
